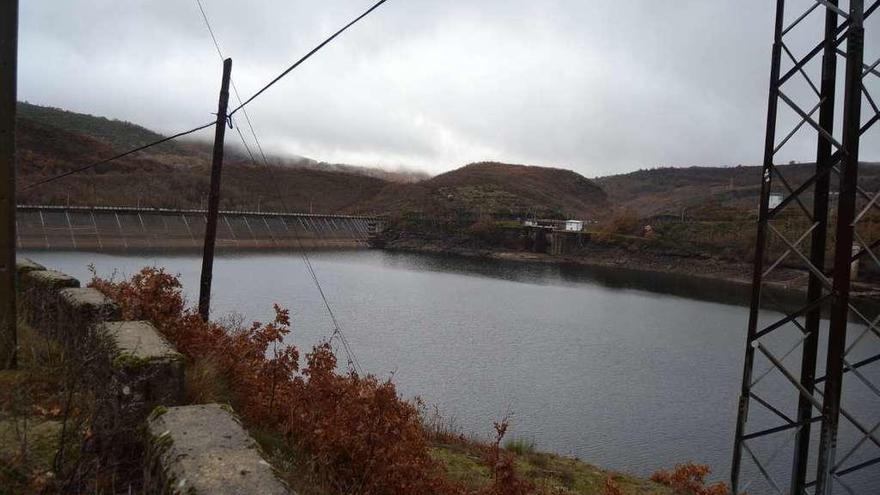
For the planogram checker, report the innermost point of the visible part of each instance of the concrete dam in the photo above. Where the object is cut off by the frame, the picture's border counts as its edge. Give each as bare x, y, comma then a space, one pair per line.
115, 228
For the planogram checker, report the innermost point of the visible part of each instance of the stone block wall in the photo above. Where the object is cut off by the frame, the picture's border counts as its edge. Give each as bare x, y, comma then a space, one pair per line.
39, 293
80, 311
197, 449
204, 449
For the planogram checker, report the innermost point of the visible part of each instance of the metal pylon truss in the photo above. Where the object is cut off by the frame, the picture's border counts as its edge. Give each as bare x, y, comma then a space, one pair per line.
809, 410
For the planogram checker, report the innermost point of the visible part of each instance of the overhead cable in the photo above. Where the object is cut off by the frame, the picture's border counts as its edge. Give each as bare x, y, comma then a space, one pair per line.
116, 157
308, 55
337, 329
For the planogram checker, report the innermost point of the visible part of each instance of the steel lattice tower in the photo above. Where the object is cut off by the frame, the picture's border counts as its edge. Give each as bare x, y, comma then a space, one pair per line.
823, 229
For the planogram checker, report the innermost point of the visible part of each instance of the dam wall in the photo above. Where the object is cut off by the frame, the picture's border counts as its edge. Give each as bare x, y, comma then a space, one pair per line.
106, 228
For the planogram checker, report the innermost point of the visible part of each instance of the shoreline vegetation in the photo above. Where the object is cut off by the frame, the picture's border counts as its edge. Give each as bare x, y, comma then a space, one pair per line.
636, 254
734, 274
327, 428
598, 257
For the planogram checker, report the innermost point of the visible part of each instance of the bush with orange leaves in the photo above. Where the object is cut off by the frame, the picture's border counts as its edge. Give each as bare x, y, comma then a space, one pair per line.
361, 436
689, 479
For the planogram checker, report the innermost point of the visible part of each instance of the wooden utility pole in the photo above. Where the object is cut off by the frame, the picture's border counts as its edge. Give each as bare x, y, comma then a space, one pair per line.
214, 197
8, 76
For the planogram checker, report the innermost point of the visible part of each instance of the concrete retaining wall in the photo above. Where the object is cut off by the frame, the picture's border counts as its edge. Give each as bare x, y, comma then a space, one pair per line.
204, 449
199, 449
39, 292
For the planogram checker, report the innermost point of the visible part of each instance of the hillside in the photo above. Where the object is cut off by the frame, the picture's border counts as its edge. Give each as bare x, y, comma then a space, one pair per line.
122, 135
116, 133
52, 141
496, 189
708, 192
175, 174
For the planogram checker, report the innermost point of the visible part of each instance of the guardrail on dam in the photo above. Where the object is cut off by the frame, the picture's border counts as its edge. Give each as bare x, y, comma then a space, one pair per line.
78, 227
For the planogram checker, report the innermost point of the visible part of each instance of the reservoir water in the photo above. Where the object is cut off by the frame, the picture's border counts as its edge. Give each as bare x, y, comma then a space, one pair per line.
626, 370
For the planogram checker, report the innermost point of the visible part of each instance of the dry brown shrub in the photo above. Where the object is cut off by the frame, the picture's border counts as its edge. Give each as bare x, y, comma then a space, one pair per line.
205, 382
622, 222
361, 436
611, 487
502, 464
689, 479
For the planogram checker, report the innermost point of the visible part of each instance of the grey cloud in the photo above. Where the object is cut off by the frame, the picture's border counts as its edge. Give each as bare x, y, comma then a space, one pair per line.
595, 86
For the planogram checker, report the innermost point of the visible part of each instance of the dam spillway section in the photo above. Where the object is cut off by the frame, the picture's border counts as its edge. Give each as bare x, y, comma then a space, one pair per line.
120, 228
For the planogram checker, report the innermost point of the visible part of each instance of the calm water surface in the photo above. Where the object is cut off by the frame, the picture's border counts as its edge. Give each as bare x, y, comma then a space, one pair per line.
629, 371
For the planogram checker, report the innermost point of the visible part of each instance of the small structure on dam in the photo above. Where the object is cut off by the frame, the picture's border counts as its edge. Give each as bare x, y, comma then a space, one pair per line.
77, 227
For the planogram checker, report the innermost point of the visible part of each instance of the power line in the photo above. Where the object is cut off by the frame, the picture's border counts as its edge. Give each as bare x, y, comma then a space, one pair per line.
141, 148
308, 55
116, 157
231, 80
337, 329
239, 107
210, 31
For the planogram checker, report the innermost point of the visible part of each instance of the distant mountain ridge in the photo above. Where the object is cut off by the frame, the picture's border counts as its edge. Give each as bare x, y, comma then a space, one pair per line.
51, 141
121, 136
497, 189
175, 174
670, 190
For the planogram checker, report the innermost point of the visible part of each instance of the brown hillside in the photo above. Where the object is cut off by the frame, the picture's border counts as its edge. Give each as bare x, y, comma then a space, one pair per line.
172, 179
709, 191
497, 189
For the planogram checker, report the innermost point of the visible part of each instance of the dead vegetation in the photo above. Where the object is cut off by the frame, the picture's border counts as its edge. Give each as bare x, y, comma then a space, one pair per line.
332, 430
58, 433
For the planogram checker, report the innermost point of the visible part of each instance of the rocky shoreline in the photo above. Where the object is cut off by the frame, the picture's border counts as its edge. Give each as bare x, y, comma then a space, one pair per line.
608, 256
785, 285
783, 280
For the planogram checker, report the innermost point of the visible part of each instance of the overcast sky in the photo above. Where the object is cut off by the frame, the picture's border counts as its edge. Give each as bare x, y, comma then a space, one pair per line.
598, 87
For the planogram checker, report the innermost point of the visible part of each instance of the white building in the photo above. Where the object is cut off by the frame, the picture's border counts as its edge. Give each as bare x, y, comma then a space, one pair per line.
574, 225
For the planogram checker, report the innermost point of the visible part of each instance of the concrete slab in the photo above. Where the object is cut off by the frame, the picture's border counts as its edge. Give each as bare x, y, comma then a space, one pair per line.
39, 296
24, 265
48, 279
88, 298
80, 310
140, 340
203, 449
146, 372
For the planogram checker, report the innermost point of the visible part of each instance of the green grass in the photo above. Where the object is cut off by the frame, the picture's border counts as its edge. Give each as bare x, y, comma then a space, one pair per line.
520, 446
32, 442
550, 473
463, 465
29, 436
